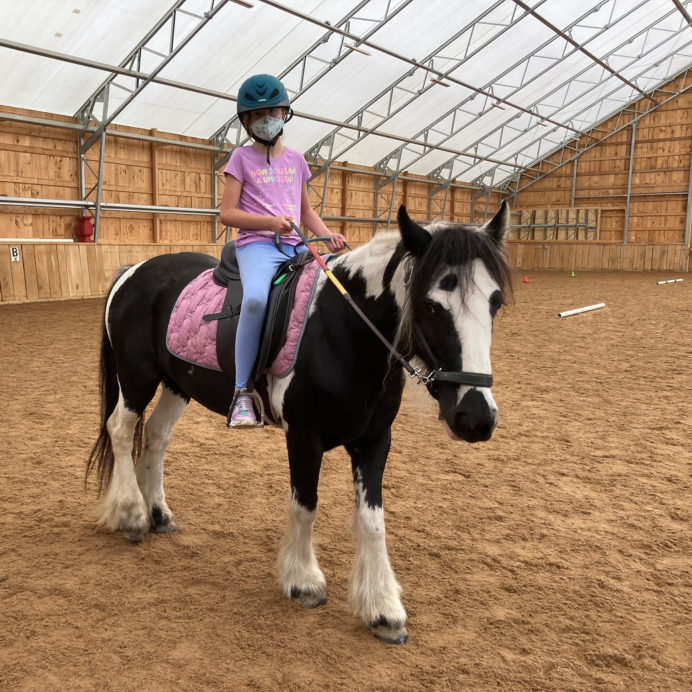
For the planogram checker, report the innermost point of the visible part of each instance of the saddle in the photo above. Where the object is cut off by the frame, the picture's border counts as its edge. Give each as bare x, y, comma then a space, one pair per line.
276, 320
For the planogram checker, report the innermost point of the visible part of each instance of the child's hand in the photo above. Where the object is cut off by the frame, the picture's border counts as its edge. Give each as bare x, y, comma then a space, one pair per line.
281, 225
336, 242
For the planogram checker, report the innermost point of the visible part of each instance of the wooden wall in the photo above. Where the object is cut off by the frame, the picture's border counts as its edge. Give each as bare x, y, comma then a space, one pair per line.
661, 163
598, 256
57, 271
42, 162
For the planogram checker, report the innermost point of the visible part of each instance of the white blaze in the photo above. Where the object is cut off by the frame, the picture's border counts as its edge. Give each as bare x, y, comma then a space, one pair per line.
473, 324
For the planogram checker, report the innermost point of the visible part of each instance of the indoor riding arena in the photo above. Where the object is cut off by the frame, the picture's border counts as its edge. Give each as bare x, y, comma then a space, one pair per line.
554, 556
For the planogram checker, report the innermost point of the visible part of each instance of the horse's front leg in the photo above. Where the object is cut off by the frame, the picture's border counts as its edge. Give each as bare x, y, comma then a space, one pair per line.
375, 593
299, 574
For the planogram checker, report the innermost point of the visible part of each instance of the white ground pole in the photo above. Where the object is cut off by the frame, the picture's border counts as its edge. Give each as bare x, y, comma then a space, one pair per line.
670, 281
567, 313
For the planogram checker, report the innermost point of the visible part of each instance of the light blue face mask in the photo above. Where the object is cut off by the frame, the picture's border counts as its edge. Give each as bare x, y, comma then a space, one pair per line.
267, 128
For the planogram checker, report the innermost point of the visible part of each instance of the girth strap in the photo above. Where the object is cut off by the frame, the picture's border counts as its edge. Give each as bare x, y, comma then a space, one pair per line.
226, 311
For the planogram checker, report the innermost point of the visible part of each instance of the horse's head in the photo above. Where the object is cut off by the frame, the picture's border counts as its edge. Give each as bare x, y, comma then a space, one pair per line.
459, 279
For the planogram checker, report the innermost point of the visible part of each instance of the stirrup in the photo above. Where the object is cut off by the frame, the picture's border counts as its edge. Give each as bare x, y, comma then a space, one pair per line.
259, 404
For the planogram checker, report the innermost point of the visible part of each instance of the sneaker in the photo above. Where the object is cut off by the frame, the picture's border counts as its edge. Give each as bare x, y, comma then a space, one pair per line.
243, 413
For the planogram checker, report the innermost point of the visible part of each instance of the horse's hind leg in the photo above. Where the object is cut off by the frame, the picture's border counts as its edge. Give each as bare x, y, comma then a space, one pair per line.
123, 508
149, 470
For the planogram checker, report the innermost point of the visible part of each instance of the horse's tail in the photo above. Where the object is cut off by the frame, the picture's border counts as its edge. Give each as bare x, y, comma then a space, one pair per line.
101, 457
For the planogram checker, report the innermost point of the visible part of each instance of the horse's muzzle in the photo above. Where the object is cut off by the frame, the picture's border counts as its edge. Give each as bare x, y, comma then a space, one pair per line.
472, 420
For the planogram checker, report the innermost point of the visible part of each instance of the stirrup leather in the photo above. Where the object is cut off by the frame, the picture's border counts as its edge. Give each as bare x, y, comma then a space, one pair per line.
259, 405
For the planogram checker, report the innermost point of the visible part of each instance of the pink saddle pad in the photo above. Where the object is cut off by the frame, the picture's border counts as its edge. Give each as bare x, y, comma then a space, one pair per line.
192, 339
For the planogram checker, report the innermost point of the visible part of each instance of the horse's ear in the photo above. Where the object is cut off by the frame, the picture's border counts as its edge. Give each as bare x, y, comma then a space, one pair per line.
498, 227
416, 238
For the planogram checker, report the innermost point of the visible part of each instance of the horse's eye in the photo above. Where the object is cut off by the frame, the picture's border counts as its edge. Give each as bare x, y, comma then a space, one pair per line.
430, 308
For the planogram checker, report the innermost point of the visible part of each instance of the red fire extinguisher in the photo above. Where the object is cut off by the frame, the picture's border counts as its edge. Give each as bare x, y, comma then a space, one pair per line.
85, 229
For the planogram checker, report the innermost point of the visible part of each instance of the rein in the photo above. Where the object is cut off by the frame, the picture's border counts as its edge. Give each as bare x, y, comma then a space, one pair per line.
474, 379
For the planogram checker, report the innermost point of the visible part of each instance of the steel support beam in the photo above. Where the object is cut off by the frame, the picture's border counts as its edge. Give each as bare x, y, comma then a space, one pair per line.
574, 180
580, 48
608, 134
221, 95
688, 210
398, 95
462, 115
105, 206
683, 11
518, 131
297, 69
439, 76
629, 182
176, 45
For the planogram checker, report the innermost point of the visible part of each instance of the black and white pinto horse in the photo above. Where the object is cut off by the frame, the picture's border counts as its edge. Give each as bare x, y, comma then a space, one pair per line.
448, 280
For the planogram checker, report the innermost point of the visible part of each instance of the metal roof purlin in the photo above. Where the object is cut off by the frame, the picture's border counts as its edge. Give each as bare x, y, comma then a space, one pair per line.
100, 95
653, 105
593, 86
563, 145
342, 51
439, 76
588, 54
313, 154
218, 94
455, 128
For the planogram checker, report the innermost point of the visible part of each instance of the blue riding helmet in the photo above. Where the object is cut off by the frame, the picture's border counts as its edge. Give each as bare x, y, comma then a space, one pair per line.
259, 92
262, 91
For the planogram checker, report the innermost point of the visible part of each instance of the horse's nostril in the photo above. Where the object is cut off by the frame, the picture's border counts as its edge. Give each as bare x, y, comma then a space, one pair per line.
474, 418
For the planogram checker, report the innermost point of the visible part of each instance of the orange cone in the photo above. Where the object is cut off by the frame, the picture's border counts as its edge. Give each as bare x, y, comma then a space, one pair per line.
526, 280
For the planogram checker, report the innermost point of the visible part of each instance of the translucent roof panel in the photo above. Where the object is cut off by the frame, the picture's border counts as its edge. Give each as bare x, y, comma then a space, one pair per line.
539, 90
104, 31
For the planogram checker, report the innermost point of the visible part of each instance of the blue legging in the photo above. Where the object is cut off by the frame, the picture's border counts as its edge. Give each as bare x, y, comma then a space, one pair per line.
258, 262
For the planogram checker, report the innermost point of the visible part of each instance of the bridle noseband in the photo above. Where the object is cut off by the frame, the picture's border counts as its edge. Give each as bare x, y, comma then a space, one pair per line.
473, 379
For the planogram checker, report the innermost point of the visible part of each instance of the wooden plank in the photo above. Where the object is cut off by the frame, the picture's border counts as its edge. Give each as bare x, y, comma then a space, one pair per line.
30, 277
100, 270
6, 283
648, 257
54, 278
122, 256
578, 260
74, 271
93, 270
18, 278
83, 268
41, 252
62, 268
663, 258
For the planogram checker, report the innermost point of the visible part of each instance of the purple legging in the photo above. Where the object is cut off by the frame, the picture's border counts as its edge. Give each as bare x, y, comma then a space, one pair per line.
258, 262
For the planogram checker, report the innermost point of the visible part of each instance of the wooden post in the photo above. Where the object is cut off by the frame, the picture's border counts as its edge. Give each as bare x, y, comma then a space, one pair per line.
404, 199
155, 185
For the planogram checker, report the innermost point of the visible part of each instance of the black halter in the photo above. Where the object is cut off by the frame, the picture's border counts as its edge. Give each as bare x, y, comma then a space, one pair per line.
473, 379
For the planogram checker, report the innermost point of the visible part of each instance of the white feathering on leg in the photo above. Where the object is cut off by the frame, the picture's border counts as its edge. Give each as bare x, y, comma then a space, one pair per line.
374, 590
123, 508
297, 564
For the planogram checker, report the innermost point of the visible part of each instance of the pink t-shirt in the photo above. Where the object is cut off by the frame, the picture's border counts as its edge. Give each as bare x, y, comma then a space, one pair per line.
273, 190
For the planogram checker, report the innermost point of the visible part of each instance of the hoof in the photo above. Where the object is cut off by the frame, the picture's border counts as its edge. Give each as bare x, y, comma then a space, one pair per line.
391, 633
128, 517
160, 522
309, 599
168, 528
134, 535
